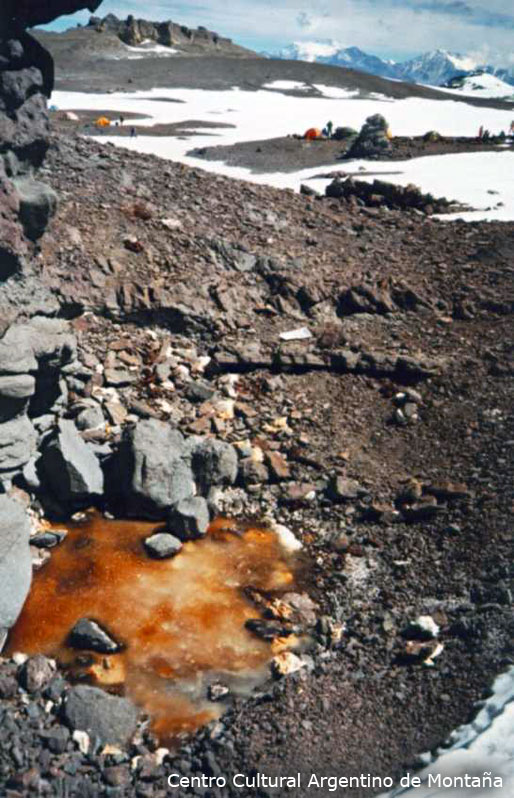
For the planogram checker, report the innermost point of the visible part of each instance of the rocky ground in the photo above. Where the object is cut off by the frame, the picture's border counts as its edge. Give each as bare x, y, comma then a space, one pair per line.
293, 153
355, 362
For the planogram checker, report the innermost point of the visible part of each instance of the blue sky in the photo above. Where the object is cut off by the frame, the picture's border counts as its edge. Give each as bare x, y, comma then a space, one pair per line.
390, 28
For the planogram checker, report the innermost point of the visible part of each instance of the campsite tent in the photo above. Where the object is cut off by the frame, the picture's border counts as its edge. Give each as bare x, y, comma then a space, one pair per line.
312, 133
102, 121
71, 117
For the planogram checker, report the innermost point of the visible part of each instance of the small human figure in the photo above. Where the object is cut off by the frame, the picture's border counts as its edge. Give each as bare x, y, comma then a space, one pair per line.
122, 119
481, 132
330, 128
133, 133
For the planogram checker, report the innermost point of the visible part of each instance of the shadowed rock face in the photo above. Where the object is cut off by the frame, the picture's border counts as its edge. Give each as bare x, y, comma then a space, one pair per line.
26, 81
27, 13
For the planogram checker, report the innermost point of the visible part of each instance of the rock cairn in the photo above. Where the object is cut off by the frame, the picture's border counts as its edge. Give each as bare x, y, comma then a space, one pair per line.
373, 139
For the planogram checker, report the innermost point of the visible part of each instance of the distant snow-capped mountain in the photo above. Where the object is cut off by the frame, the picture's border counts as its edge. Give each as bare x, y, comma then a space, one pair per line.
434, 68
331, 52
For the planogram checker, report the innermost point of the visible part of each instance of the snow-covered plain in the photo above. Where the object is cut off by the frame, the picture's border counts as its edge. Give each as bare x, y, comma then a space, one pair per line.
258, 115
485, 746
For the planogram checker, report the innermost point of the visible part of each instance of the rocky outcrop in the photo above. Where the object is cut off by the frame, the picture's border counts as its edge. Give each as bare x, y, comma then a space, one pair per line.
133, 31
32, 356
381, 194
26, 81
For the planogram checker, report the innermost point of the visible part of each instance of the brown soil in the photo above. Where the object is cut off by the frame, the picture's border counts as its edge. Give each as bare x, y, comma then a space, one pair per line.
431, 307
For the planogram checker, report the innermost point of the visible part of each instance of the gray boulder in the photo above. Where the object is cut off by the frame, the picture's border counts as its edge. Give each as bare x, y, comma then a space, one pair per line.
189, 518
69, 466
162, 545
214, 463
108, 717
154, 469
15, 562
157, 468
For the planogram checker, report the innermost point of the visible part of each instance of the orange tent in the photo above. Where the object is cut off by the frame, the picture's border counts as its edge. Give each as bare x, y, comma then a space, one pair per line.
312, 133
102, 121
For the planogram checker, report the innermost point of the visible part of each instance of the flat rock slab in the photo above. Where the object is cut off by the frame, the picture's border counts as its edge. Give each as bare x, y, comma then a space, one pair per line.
15, 563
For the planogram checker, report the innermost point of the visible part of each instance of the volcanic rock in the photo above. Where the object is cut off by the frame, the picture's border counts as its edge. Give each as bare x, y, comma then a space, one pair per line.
89, 635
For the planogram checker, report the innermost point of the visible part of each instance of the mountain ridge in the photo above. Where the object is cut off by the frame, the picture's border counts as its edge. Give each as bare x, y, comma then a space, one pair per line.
435, 67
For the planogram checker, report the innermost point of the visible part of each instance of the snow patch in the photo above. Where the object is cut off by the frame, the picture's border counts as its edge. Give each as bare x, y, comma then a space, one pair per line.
286, 85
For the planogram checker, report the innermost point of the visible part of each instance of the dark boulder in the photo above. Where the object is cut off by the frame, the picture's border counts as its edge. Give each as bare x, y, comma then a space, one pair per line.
89, 635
